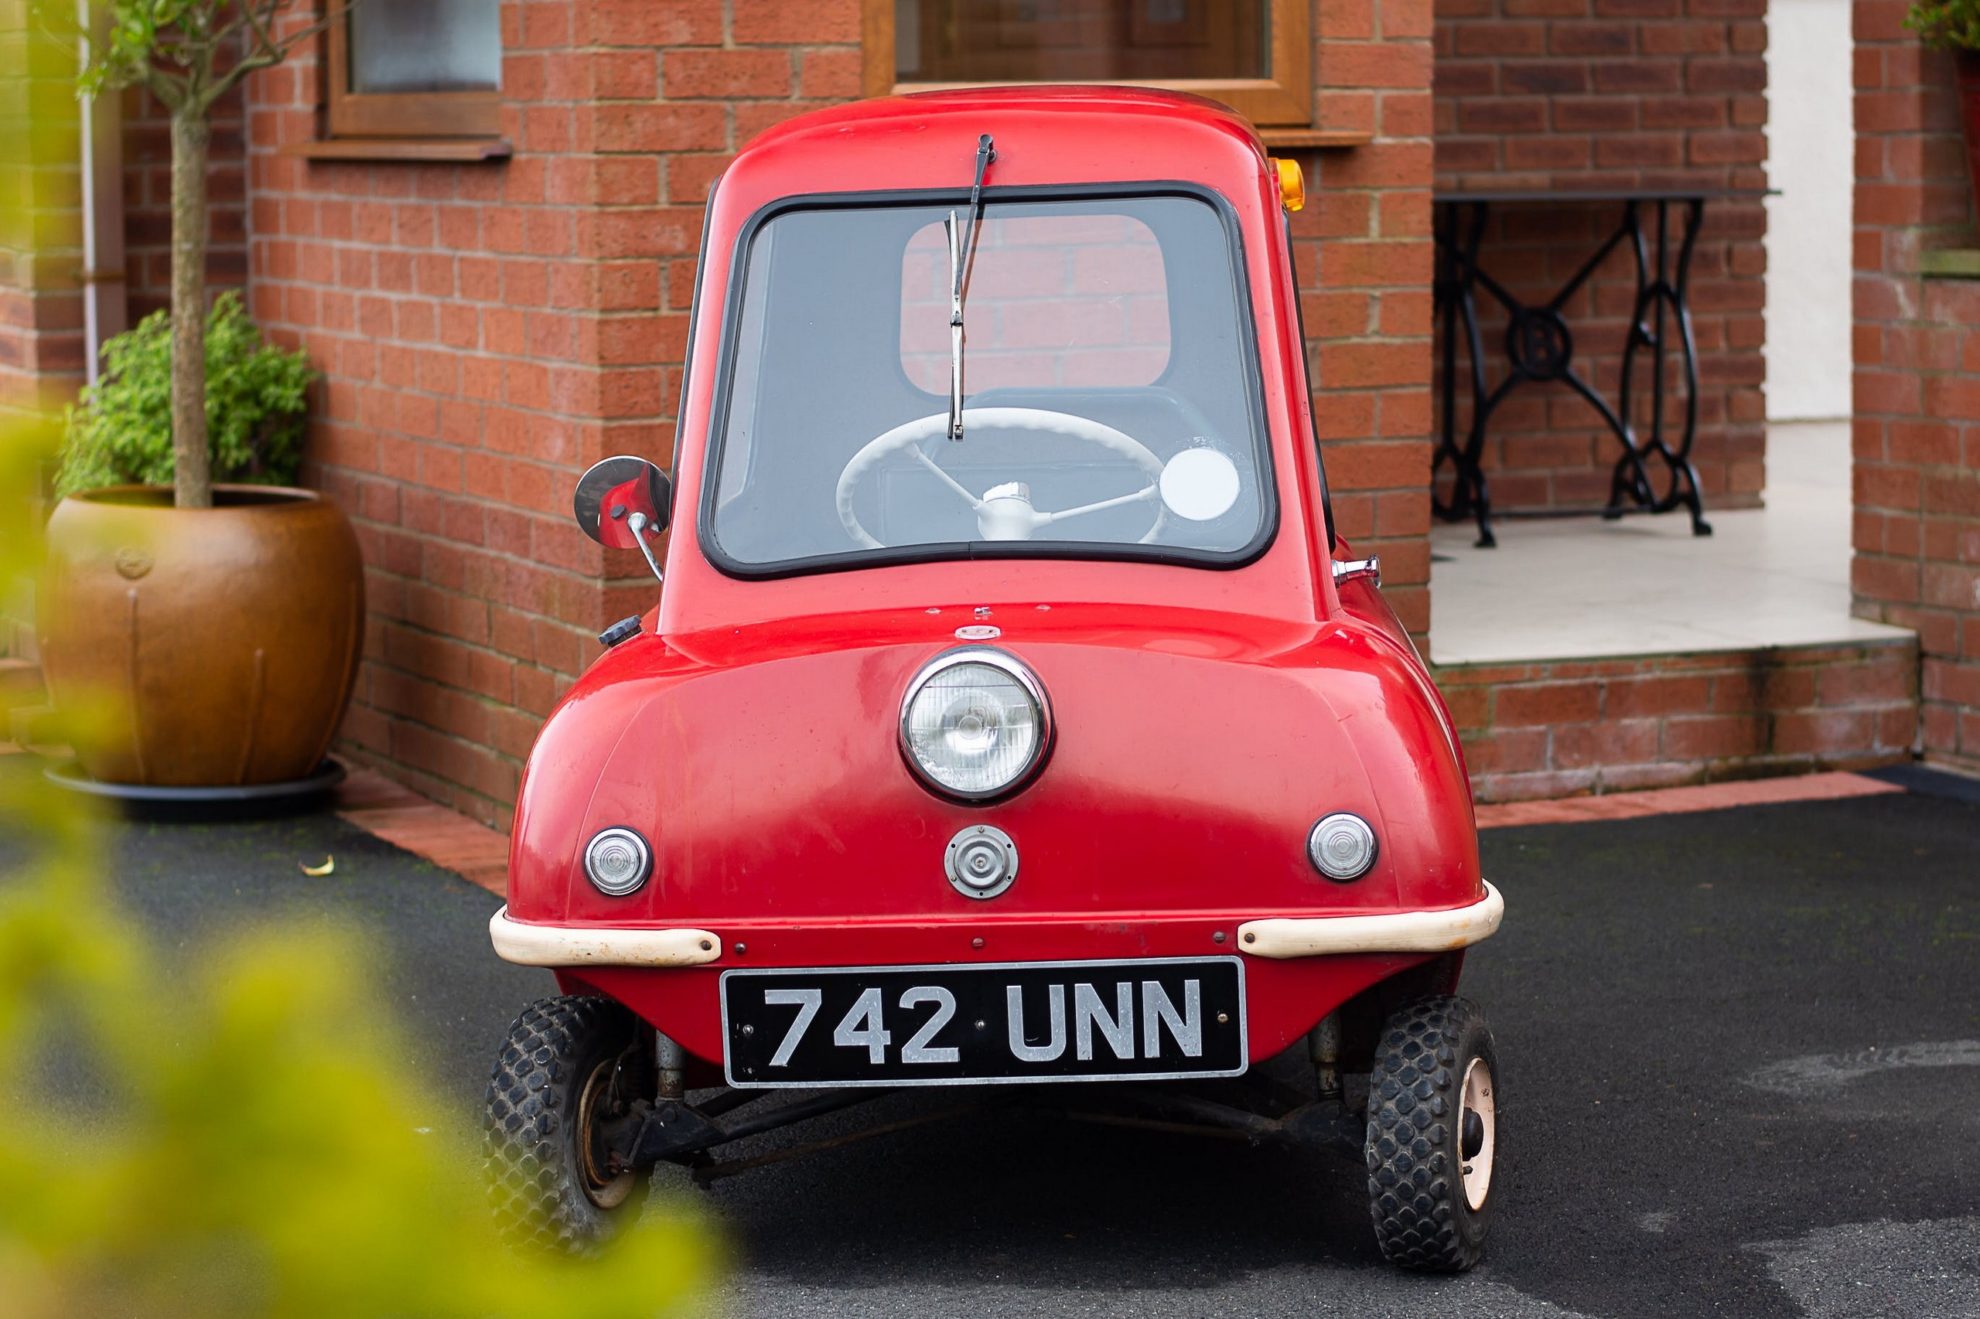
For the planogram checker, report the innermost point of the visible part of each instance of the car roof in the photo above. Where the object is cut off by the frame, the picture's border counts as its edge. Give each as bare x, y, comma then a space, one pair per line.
1074, 101
924, 145
1060, 133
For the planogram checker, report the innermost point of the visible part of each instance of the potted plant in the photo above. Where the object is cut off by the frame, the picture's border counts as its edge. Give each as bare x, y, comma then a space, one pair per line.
1954, 25
223, 619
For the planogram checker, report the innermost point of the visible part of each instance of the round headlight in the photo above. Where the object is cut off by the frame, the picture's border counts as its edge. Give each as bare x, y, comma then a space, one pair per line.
617, 861
1342, 847
974, 723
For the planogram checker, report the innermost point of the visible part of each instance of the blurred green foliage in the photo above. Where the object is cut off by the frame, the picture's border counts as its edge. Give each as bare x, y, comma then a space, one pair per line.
135, 32
231, 1135
120, 432
1946, 24
189, 52
247, 1144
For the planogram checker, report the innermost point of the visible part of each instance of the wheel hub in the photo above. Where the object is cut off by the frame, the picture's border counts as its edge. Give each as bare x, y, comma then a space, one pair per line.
1474, 1135
1477, 1128
603, 1187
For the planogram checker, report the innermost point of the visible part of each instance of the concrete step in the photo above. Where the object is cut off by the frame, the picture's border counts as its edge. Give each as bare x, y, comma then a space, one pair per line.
20, 682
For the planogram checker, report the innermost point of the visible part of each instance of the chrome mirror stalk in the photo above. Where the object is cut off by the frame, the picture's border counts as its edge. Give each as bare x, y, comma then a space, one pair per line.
1348, 570
638, 524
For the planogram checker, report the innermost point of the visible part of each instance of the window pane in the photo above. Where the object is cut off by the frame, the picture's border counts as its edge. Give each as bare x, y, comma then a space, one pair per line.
426, 46
1126, 311
1080, 40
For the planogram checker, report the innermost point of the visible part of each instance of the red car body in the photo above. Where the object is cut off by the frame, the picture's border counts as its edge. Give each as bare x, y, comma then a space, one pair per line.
1205, 719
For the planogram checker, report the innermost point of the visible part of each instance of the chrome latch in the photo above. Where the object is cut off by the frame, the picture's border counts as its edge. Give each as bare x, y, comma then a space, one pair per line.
1348, 570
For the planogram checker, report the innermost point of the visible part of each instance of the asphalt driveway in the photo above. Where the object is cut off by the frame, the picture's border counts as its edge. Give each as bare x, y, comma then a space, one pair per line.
1741, 1057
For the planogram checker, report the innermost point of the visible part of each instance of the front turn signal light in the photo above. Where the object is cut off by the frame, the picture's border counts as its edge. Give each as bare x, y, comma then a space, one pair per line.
1292, 183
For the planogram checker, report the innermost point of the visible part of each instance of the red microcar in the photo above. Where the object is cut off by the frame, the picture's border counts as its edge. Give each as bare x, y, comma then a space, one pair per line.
1012, 715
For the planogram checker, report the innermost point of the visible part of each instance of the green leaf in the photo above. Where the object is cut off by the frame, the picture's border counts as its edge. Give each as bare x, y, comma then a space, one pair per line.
1946, 24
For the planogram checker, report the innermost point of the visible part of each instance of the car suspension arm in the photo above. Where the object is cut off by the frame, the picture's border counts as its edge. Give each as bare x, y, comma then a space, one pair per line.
705, 1170
1325, 1121
673, 1129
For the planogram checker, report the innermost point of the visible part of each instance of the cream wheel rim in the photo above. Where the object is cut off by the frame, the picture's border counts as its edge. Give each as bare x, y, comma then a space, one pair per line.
604, 1189
1477, 1164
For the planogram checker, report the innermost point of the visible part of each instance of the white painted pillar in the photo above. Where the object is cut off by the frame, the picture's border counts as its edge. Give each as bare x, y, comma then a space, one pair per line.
1809, 146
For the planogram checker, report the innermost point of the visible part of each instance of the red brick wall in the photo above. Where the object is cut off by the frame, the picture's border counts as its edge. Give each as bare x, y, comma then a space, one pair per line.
147, 141
1578, 726
488, 330
1604, 94
1917, 386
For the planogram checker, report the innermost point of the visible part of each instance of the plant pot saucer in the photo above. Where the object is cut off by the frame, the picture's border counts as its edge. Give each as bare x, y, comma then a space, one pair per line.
241, 801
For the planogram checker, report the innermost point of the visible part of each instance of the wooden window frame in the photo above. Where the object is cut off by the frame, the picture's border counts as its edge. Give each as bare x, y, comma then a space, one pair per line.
390, 115
1284, 100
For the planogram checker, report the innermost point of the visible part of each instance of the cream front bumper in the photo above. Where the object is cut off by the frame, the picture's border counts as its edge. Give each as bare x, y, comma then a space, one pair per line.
1276, 937
563, 945
1396, 932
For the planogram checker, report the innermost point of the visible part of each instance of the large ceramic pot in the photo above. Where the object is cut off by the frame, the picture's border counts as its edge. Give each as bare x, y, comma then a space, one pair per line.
221, 643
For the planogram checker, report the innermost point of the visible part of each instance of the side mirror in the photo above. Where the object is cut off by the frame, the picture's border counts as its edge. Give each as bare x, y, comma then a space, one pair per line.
621, 501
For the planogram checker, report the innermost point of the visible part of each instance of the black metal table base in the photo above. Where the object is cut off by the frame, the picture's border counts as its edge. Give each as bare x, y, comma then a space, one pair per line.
1540, 347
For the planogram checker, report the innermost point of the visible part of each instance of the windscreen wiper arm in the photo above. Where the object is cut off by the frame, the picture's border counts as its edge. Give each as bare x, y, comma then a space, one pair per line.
962, 248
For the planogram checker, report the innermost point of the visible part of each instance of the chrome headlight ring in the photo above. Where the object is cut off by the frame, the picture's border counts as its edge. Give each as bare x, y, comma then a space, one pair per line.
996, 745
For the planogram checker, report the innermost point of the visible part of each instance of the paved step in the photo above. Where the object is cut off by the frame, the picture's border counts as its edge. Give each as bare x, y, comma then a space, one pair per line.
405, 819
33, 728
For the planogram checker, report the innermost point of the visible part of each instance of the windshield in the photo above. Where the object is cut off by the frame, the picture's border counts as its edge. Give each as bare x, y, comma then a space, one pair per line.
1110, 386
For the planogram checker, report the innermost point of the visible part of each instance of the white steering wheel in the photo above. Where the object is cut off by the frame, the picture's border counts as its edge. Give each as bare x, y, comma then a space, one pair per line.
1003, 512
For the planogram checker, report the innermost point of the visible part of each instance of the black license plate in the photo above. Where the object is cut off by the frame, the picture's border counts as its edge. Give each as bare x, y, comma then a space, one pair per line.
999, 1023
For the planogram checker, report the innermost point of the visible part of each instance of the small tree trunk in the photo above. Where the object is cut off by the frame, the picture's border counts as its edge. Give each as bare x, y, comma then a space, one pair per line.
192, 478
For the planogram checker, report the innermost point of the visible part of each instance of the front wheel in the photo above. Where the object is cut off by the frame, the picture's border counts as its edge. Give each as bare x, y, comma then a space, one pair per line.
1433, 1135
568, 1064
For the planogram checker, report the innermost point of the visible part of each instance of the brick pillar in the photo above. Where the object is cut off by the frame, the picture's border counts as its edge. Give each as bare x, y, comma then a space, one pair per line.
41, 257
1363, 250
1917, 385
41, 305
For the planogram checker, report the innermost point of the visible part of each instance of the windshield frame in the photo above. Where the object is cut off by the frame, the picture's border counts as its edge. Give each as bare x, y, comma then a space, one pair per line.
853, 557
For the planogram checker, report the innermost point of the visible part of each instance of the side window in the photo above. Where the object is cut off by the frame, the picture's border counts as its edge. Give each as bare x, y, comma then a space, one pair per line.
739, 451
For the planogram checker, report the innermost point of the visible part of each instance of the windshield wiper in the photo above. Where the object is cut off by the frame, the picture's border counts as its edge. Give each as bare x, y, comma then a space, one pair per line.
962, 248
